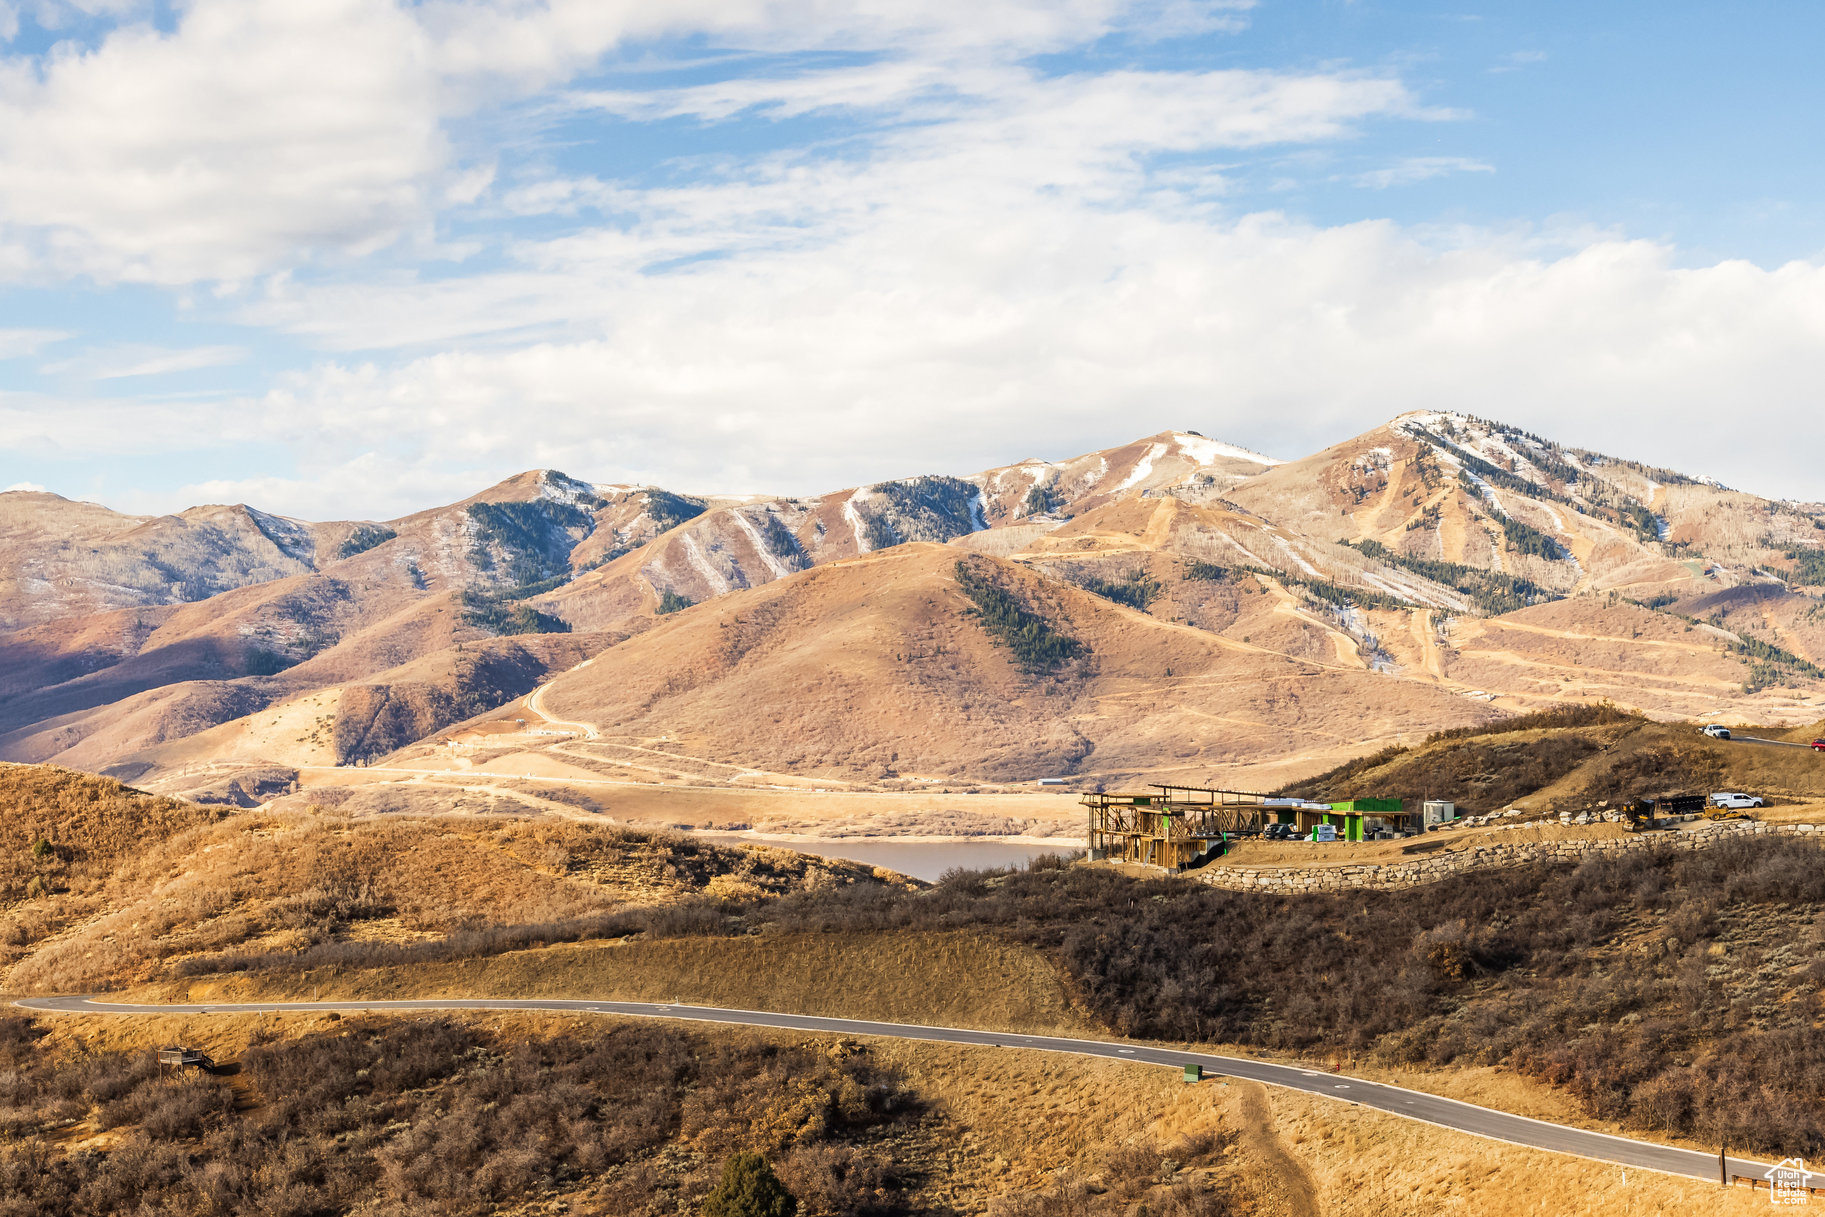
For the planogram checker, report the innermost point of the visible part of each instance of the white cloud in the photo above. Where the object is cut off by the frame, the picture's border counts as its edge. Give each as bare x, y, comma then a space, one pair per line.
1418, 169
27, 487
260, 130
15, 344
367, 486
71, 426
264, 133
550, 40
1001, 263
1019, 145
115, 363
928, 345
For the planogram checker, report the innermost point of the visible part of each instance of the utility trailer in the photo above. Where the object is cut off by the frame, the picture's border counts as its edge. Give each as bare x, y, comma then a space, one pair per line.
1643, 815
181, 1059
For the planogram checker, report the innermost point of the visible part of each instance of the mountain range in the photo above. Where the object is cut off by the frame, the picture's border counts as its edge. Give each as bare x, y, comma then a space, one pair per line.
1169, 608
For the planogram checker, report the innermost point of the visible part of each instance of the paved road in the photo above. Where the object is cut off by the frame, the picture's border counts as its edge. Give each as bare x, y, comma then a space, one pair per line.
1412, 1104
1775, 743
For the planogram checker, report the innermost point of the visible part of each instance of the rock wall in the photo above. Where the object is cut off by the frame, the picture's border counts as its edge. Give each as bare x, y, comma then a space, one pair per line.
1299, 880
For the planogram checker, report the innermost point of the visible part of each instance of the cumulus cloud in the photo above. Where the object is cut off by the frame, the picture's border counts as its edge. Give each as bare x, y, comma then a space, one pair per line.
995, 261
259, 130
1000, 146
265, 133
929, 348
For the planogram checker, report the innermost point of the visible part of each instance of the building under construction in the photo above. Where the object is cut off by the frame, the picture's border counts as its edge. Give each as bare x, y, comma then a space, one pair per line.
1178, 827
1170, 826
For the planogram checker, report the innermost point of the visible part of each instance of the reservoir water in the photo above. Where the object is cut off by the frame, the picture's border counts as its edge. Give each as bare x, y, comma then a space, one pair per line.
921, 859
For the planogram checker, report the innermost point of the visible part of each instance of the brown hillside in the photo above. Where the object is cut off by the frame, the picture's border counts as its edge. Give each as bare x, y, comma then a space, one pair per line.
87, 825
130, 884
1493, 568
738, 544
63, 558
93, 691
334, 724
1605, 759
876, 665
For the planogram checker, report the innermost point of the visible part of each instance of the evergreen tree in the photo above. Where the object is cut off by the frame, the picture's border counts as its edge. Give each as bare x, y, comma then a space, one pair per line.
749, 1188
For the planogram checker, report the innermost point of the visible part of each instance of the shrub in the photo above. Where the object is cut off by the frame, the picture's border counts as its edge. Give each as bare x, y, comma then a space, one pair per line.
1208, 571
749, 1188
671, 602
1589, 714
1537, 967
437, 1116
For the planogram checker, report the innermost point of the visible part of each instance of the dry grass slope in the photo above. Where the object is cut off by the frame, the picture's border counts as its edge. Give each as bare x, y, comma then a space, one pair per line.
1608, 758
132, 887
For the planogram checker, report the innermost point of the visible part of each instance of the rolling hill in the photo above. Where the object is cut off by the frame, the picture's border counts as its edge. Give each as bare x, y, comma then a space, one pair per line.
1228, 610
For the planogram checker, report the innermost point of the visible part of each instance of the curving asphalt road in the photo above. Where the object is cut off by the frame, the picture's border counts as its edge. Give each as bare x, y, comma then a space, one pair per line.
1412, 1104
1773, 743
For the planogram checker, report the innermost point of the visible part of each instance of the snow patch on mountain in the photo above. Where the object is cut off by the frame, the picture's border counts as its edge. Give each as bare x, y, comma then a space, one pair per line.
1145, 467
1206, 451
699, 562
854, 519
773, 564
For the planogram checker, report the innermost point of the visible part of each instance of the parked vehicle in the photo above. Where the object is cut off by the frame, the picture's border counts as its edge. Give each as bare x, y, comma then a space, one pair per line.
1716, 731
1736, 800
1818, 745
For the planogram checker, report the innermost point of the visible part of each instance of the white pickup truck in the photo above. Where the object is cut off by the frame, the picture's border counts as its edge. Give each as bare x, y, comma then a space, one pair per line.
1736, 800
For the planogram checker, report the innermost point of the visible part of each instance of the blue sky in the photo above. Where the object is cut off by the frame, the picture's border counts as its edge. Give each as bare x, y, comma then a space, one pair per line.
350, 259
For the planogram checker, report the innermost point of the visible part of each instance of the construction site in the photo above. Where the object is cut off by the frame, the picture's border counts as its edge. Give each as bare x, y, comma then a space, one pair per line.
1181, 827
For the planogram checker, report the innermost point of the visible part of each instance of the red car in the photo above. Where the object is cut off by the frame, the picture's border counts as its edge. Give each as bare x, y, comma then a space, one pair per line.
1818, 745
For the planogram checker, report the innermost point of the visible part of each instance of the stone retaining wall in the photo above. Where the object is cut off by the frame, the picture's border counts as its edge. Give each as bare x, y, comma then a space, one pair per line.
1299, 880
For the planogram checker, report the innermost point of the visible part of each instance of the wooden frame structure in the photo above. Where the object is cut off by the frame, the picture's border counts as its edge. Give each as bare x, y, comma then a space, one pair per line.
183, 1058
1174, 827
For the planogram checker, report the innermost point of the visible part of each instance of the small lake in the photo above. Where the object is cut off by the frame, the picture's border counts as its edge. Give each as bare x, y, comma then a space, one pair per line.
921, 859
